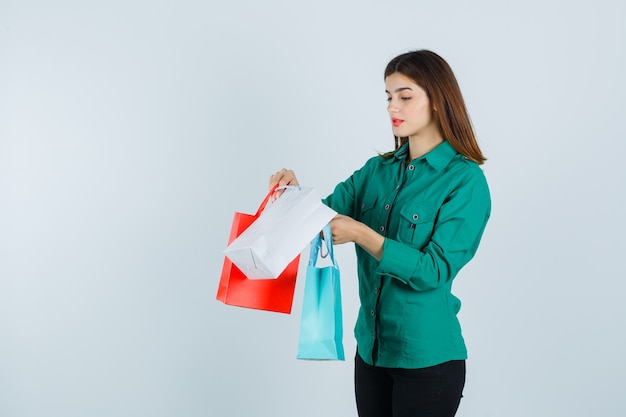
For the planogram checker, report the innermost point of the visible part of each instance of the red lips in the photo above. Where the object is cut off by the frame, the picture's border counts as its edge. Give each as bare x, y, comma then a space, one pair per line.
396, 122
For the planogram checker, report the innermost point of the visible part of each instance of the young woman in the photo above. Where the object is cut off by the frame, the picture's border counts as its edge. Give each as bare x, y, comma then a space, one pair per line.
416, 215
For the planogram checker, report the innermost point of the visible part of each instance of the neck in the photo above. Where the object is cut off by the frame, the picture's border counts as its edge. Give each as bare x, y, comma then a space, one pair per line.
422, 144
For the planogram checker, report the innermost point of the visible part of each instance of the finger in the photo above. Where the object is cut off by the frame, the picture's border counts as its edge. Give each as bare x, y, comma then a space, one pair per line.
287, 177
277, 194
276, 178
284, 177
272, 181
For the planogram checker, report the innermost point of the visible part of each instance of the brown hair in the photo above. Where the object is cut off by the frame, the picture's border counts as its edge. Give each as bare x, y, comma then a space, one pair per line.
434, 75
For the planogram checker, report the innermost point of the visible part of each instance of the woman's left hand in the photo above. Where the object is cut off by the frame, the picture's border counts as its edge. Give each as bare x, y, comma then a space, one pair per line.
346, 229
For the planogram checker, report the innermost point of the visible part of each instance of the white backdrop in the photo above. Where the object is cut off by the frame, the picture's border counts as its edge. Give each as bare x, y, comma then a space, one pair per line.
130, 131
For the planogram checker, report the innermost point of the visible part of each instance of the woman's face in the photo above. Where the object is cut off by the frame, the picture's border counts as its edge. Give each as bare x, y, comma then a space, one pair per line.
409, 107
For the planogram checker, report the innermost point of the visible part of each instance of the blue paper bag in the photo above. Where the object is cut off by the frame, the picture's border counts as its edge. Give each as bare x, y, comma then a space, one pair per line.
321, 324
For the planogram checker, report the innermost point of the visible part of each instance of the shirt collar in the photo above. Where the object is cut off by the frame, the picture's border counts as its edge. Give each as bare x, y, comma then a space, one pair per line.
438, 158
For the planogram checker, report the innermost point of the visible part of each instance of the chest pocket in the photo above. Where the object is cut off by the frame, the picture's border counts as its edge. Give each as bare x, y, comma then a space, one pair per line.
416, 224
366, 209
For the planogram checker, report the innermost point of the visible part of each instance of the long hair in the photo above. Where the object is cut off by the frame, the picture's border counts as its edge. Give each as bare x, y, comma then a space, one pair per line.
434, 75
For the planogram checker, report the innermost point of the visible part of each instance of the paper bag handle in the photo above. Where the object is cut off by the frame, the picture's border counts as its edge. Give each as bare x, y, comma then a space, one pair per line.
266, 200
316, 245
269, 195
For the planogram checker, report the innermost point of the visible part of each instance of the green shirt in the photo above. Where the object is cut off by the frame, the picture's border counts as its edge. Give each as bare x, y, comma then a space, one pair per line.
432, 212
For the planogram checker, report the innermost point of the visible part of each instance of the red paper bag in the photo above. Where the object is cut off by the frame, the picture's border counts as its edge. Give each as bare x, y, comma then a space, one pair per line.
261, 294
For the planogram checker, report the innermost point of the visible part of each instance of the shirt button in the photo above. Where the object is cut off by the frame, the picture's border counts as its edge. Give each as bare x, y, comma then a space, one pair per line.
373, 335
382, 228
397, 187
387, 206
372, 313
375, 290
416, 216
411, 167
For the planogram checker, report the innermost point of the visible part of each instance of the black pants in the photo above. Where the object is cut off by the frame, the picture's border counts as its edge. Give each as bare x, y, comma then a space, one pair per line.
435, 391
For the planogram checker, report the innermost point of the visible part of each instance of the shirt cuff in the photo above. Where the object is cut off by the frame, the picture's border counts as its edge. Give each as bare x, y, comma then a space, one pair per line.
396, 260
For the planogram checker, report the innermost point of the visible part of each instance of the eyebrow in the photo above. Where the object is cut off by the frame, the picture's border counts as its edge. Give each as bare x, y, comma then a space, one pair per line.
399, 89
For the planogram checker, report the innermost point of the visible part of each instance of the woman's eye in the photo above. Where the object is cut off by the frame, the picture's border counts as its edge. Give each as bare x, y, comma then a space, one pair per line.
405, 98
388, 99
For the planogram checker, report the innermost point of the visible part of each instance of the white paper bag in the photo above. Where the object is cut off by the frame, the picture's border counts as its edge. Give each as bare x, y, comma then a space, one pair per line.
281, 232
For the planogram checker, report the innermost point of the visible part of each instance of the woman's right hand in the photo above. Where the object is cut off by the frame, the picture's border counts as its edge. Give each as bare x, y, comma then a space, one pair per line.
282, 177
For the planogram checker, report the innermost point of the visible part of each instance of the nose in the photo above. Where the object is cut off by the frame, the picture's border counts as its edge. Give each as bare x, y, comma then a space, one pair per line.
391, 108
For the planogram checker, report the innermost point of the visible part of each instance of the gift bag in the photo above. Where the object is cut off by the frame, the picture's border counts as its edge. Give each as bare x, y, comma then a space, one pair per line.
266, 294
280, 233
321, 324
